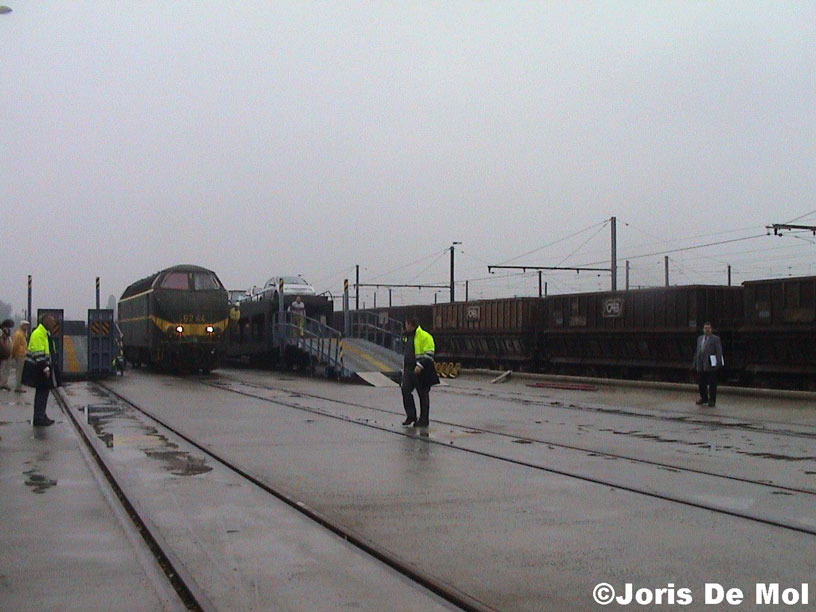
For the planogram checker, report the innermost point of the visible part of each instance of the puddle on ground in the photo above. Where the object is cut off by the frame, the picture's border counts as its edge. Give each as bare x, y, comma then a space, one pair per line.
181, 463
776, 457
103, 417
37, 482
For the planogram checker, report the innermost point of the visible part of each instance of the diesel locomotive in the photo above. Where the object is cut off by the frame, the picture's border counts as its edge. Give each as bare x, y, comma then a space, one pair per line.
176, 319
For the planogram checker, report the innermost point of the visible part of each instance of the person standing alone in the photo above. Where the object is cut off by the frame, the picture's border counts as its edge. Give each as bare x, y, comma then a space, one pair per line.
39, 351
298, 310
418, 372
708, 359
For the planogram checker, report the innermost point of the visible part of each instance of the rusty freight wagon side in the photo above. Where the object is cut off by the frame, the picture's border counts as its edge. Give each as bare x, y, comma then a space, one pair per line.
780, 332
641, 333
500, 333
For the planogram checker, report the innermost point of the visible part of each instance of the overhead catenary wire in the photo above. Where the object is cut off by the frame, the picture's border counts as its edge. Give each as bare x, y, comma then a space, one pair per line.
680, 250
536, 250
584, 243
807, 214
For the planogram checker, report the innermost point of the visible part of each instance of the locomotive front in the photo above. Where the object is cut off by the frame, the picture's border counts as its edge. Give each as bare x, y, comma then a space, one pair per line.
190, 313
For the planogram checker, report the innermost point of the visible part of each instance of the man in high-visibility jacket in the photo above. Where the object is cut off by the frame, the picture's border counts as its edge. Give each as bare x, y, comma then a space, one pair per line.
39, 350
418, 373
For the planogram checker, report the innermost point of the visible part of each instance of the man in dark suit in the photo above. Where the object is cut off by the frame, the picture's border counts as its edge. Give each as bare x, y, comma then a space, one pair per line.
708, 359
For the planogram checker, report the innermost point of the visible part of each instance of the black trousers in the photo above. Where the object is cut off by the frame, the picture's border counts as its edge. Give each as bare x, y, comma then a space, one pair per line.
708, 385
40, 401
409, 384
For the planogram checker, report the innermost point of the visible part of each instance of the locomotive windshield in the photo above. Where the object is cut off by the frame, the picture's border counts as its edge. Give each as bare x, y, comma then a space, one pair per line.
185, 281
176, 280
203, 281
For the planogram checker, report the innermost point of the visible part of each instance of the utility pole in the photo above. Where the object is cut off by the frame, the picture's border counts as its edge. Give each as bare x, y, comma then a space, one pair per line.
30, 316
346, 313
389, 297
729, 275
467, 287
539, 283
452, 294
614, 266
357, 289
627, 275
666, 264
97, 293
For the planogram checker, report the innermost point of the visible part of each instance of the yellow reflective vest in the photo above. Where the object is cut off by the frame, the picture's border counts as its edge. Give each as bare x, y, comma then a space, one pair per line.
423, 344
38, 343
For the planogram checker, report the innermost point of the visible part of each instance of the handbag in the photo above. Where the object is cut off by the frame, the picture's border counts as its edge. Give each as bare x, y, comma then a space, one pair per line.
32, 373
5, 347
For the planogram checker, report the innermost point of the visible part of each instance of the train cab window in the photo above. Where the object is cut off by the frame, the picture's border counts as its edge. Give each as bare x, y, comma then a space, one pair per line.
203, 281
176, 280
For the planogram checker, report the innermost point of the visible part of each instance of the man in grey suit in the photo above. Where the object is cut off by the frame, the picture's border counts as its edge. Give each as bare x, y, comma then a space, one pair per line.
708, 359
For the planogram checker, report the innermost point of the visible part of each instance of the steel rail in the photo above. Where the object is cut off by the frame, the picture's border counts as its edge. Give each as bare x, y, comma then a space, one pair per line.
503, 434
745, 425
560, 472
175, 572
445, 591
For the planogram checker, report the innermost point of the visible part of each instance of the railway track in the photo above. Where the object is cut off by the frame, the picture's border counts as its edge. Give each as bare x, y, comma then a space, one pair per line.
182, 582
251, 390
656, 414
530, 439
320, 404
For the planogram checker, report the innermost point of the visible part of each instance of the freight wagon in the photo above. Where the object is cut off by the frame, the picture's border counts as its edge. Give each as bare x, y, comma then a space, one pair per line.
779, 333
501, 333
643, 333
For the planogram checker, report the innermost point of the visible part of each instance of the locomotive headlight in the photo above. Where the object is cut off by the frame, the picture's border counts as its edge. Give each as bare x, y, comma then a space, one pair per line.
179, 329
210, 329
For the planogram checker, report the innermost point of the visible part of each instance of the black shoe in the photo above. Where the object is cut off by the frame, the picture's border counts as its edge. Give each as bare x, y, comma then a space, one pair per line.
700, 402
407, 422
421, 424
43, 422
711, 404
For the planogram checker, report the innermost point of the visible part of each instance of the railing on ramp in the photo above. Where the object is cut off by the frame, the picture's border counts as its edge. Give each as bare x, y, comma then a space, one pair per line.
323, 343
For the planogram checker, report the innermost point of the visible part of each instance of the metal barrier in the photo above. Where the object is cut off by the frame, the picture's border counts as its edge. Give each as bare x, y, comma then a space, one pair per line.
102, 346
323, 343
377, 328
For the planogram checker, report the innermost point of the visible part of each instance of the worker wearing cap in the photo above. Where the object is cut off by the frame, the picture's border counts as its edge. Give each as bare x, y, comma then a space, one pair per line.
19, 348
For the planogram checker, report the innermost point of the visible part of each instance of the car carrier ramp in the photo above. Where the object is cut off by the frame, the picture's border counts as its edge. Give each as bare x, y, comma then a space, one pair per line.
369, 361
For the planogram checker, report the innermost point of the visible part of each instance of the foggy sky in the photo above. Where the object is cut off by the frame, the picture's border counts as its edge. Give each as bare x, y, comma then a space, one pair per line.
259, 138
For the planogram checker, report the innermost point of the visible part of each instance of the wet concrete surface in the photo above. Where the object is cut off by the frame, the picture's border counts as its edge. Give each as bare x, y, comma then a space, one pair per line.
61, 546
507, 533
245, 549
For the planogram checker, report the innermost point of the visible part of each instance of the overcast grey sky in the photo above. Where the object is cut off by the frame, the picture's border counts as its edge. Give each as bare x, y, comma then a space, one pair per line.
263, 138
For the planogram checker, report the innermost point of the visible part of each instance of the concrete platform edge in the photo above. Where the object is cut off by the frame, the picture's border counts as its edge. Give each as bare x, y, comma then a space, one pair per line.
181, 571
145, 558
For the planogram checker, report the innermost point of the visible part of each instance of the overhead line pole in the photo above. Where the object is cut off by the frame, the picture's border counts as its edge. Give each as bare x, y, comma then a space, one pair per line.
614, 266
452, 296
